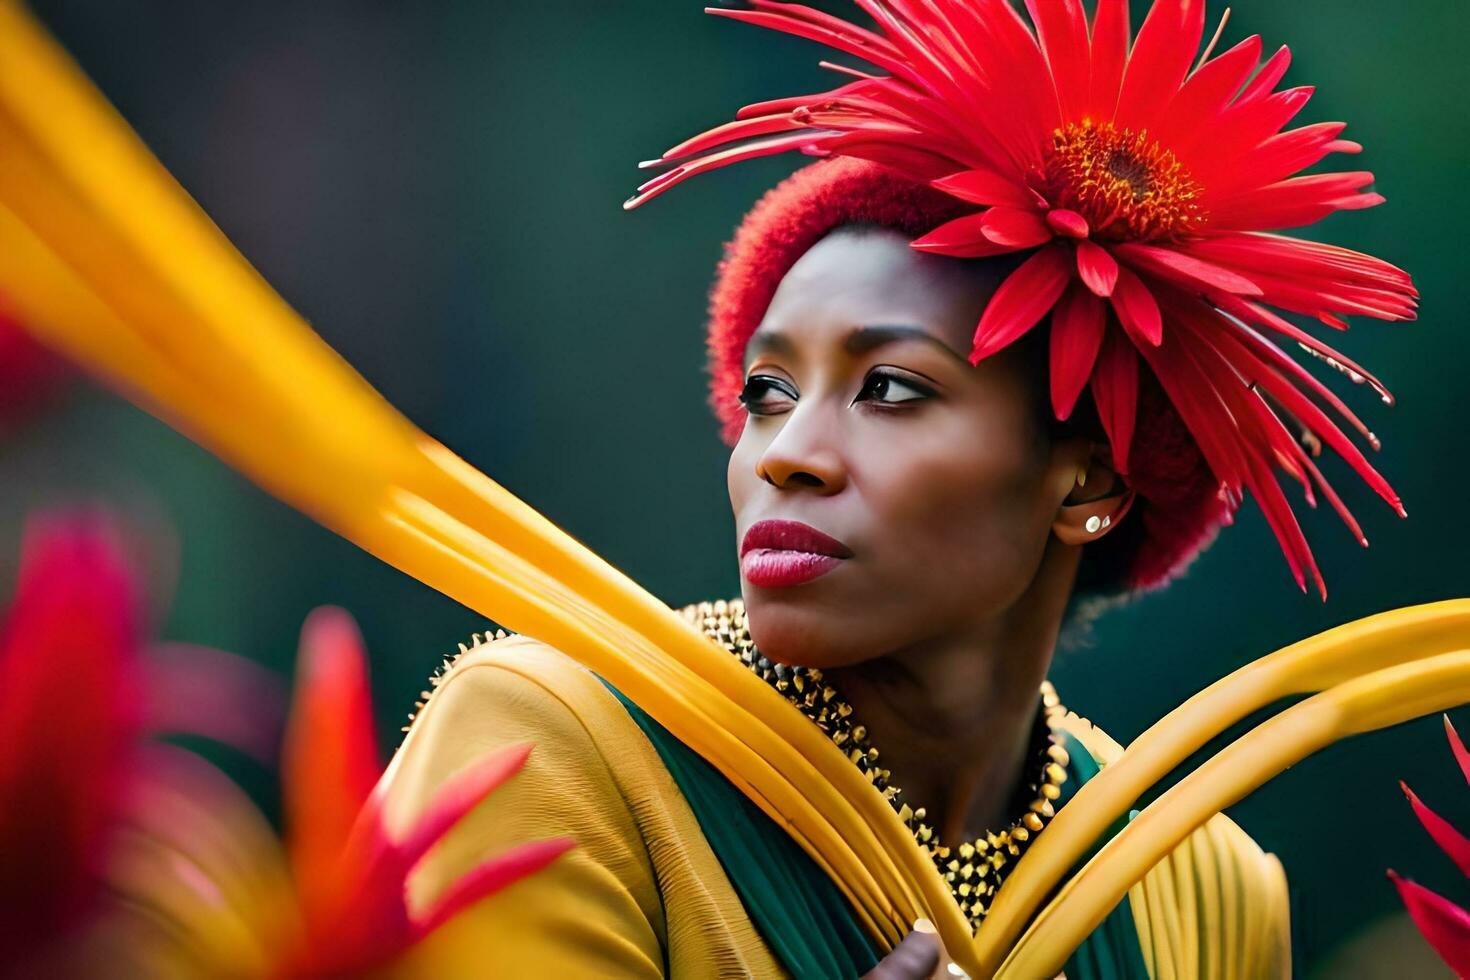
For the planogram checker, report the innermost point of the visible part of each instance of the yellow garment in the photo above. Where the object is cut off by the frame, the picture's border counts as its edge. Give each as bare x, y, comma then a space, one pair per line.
644, 896
1216, 907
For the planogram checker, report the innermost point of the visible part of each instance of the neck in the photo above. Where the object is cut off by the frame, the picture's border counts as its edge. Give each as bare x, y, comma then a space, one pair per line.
952, 716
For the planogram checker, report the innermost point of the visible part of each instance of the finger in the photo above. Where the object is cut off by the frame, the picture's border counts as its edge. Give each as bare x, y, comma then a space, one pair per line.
916, 958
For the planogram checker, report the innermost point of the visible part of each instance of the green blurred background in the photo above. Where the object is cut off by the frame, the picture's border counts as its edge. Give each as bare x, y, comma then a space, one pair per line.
436, 186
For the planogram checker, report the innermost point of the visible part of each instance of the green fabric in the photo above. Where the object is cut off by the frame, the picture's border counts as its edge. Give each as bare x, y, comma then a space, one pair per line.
797, 909
1111, 951
794, 905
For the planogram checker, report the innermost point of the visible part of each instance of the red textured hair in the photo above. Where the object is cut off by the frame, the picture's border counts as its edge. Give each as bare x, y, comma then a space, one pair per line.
1179, 508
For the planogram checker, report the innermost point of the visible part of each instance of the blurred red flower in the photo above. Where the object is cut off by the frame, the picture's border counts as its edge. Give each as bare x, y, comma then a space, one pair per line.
351, 873
1443, 923
122, 854
28, 372
69, 721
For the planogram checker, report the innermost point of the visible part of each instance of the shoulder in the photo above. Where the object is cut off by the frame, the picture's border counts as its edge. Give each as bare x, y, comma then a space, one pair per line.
502, 690
1215, 905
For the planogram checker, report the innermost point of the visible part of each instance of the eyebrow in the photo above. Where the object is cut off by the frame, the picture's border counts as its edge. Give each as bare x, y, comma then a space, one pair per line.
860, 340
872, 336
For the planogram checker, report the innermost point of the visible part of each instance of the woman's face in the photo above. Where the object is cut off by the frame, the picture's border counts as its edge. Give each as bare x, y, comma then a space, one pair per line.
885, 491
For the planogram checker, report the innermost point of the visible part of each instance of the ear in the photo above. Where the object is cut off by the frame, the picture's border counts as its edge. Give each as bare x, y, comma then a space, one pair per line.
1097, 503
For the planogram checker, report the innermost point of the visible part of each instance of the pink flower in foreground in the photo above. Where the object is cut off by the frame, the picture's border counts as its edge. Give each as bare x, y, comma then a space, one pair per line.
28, 372
69, 723
124, 856
351, 872
1443, 923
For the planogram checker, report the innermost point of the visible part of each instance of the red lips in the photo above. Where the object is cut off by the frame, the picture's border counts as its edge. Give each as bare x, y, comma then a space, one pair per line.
779, 554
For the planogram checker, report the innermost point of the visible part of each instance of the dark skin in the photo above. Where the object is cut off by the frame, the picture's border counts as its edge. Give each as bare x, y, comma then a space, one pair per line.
867, 422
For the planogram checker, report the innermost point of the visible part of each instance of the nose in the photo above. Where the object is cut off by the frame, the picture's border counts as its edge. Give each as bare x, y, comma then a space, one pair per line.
804, 454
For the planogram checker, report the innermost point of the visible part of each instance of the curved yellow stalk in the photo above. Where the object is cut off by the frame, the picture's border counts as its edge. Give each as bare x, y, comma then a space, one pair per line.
107, 258
1310, 665
1372, 701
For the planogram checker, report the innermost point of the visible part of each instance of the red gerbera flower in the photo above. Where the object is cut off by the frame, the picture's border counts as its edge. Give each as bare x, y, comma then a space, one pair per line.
1149, 192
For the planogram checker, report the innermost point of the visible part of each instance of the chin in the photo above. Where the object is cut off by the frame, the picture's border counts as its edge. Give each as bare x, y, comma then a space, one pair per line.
801, 630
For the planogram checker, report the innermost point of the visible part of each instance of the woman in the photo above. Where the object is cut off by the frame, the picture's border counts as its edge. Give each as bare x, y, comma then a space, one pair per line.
919, 501
911, 530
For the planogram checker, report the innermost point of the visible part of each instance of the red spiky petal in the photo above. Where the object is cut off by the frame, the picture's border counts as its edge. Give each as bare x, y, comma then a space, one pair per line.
1076, 336
330, 759
1450, 840
1443, 923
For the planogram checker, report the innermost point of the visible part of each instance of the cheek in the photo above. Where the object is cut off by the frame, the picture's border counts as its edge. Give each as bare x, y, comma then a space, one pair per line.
960, 513
740, 476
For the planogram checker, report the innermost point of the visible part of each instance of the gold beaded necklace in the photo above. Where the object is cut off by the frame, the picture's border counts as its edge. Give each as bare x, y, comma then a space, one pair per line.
974, 869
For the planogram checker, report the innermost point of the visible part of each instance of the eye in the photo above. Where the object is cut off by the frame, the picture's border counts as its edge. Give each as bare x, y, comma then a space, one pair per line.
765, 394
891, 388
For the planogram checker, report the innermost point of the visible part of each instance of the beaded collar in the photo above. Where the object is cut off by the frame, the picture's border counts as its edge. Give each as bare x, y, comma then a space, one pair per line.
974, 869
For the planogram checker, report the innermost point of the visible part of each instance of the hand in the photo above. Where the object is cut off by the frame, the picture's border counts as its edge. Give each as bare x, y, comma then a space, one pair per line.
918, 957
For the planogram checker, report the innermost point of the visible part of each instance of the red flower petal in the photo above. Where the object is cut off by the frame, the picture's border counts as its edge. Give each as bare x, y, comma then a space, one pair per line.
1267, 78
70, 686
1443, 923
1110, 33
1115, 389
490, 877
1312, 278
1097, 267
1022, 300
365, 921
1161, 56
1201, 382
1295, 202
1015, 228
1207, 92
1065, 222
220, 696
1275, 159
1450, 840
461, 795
1062, 28
986, 187
330, 761
1458, 747
1076, 334
1137, 309
1186, 270
964, 238
1240, 129
28, 372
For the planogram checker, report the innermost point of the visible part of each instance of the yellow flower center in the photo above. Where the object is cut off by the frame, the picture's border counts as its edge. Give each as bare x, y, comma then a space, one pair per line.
1127, 186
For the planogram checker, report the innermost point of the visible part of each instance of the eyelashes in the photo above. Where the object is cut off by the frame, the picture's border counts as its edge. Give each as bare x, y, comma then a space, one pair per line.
891, 388
766, 394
